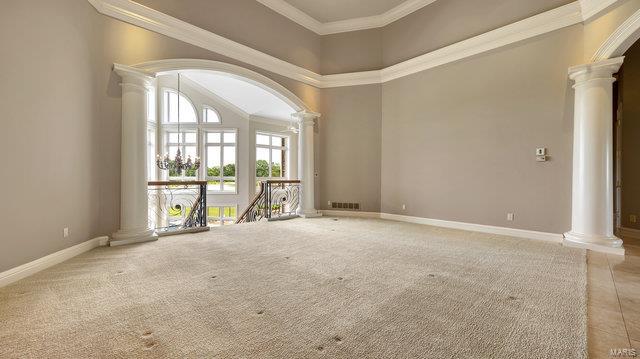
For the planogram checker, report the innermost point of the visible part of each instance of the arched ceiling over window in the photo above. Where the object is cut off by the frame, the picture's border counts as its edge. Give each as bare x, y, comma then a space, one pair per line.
243, 93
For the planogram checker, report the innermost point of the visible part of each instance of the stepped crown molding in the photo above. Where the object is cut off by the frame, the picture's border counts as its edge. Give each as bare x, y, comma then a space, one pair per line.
591, 8
370, 22
156, 21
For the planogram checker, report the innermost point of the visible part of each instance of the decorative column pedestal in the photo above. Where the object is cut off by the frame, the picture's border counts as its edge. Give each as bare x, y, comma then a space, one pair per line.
306, 164
134, 203
592, 197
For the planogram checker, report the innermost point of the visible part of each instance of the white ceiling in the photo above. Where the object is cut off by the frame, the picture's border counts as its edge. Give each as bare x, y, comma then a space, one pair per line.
243, 94
337, 10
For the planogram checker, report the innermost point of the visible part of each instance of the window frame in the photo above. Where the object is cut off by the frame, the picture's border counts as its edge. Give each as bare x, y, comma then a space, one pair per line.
222, 218
270, 147
201, 128
222, 145
204, 115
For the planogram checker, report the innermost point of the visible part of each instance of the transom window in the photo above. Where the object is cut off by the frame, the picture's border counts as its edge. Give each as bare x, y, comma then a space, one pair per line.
272, 153
210, 115
221, 152
178, 108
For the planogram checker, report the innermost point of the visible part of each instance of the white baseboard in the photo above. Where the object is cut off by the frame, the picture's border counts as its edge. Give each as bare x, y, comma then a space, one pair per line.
513, 232
630, 233
27, 269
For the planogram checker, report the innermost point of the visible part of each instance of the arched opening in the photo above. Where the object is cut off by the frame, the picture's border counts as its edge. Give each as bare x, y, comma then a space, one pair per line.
206, 124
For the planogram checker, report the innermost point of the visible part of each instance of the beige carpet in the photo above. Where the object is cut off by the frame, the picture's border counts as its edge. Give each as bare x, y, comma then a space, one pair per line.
320, 288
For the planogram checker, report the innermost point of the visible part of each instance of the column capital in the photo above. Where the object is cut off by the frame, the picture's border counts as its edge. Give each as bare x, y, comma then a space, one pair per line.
601, 70
306, 117
132, 76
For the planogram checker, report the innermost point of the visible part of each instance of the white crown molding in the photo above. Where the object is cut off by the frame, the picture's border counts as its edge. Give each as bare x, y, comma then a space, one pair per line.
472, 227
591, 8
537, 25
620, 40
25, 270
156, 21
334, 27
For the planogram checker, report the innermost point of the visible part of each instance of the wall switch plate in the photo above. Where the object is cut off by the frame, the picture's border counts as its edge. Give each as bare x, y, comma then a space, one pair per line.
65, 232
329, 203
633, 218
541, 154
404, 207
510, 217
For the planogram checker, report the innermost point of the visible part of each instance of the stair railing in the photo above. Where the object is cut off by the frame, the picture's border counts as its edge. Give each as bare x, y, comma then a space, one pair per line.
276, 200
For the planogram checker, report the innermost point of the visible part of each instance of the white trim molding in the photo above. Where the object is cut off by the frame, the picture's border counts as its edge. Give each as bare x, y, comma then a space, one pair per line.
156, 21
158, 67
537, 25
620, 40
25, 270
334, 27
472, 227
592, 8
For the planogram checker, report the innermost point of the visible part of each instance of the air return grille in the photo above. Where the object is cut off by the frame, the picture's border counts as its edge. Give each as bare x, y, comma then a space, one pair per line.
347, 206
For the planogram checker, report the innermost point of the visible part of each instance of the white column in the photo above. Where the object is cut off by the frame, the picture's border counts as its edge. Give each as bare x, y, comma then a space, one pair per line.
134, 222
592, 192
306, 163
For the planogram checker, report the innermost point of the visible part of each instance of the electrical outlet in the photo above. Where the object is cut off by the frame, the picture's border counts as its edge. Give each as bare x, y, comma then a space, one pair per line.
404, 207
633, 218
65, 232
510, 217
329, 203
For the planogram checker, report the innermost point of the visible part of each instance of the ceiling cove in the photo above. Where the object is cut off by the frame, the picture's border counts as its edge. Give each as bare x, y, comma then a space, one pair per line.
402, 9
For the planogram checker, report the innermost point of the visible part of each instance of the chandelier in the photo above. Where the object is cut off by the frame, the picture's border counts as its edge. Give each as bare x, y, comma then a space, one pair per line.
178, 164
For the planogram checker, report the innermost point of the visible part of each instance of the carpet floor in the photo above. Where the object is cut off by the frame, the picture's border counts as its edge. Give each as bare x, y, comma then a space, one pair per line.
318, 288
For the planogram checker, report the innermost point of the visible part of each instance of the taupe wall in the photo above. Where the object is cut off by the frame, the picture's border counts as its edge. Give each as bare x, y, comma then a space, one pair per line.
350, 147
458, 141
630, 92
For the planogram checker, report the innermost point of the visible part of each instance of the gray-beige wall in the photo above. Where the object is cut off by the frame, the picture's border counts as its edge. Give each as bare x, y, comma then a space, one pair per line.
459, 141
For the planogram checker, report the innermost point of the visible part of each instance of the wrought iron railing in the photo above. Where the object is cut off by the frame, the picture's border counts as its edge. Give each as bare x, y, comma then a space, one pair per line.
178, 206
276, 200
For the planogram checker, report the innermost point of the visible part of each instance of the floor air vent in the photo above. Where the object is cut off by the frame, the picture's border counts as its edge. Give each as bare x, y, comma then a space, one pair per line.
348, 206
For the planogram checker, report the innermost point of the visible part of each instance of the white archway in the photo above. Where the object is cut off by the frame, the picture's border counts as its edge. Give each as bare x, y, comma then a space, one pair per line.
159, 67
137, 80
620, 40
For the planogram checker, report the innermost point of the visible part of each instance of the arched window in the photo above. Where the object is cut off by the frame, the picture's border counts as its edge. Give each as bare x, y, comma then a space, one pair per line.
173, 102
209, 115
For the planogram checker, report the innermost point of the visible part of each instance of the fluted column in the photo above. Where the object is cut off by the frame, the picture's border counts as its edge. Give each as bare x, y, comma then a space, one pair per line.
592, 191
306, 163
134, 204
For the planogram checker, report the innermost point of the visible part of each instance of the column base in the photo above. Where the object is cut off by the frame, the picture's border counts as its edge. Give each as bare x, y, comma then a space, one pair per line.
123, 237
603, 244
311, 213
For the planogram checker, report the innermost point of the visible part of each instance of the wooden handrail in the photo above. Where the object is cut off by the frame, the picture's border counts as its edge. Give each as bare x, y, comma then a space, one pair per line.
282, 181
253, 203
176, 183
